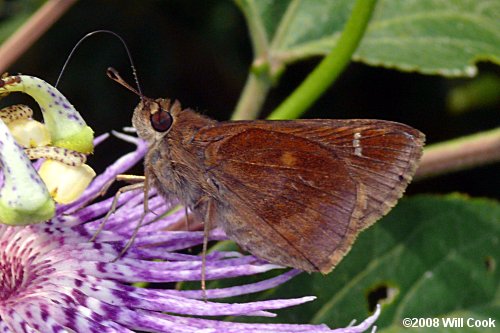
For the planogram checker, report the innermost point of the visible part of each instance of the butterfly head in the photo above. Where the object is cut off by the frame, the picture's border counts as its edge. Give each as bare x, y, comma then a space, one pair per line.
154, 118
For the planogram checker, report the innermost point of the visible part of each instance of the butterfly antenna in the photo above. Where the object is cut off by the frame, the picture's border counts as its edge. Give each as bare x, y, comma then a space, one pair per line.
115, 76
134, 72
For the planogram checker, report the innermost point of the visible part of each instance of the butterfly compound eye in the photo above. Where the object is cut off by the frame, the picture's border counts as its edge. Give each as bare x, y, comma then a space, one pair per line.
161, 121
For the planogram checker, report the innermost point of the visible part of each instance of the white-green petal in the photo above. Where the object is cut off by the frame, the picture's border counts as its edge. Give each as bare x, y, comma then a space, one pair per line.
65, 124
24, 199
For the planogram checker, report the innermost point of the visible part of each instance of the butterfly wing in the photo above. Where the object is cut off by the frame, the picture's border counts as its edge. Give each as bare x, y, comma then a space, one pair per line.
298, 193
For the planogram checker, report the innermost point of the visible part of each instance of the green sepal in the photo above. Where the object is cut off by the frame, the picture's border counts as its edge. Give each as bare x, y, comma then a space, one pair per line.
12, 216
81, 141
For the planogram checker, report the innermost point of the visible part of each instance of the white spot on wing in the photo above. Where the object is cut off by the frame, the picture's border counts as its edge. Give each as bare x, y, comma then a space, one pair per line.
358, 150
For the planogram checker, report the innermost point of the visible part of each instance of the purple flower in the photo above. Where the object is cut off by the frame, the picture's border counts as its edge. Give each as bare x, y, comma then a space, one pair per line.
53, 279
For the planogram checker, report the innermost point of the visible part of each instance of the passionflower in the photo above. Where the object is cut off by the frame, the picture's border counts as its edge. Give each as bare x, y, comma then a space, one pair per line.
54, 279
62, 142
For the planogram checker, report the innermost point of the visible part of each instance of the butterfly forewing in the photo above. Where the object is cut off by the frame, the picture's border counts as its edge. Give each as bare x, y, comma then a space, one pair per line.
307, 187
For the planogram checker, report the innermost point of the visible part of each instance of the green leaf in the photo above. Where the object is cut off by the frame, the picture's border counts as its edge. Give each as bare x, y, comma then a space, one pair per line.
433, 37
444, 37
436, 257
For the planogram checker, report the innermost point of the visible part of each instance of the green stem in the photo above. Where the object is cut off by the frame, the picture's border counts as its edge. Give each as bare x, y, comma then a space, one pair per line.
258, 85
458, 154
255, 25
252, 97
330, 67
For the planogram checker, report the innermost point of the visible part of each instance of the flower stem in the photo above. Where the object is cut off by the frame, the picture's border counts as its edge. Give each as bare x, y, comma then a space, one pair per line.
330, 67
458, 154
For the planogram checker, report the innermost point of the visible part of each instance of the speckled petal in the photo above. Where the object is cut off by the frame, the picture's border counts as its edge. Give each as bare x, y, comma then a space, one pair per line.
24, 199
238, 290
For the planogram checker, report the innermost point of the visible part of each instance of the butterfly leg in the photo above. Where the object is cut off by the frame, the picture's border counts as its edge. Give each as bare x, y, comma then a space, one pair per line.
132, 179
112, 209
132, 238
186, 215
206, 232
145, 186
